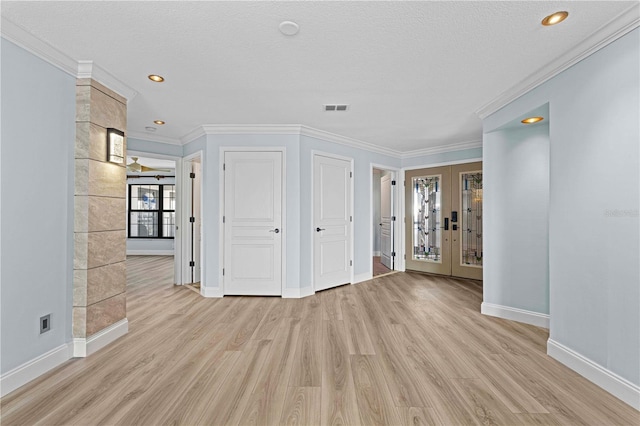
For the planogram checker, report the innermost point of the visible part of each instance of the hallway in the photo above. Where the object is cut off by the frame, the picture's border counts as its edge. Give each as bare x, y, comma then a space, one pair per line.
406, 348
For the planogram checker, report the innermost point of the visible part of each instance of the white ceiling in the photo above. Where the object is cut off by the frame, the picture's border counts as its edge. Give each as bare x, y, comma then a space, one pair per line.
413, 73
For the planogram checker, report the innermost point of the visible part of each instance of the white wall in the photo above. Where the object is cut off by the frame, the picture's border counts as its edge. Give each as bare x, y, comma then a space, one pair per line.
37, 168
515, 212
594, 226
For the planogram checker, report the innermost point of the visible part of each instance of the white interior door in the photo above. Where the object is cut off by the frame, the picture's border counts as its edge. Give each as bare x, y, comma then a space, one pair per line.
386, 231
332, 222
253, 223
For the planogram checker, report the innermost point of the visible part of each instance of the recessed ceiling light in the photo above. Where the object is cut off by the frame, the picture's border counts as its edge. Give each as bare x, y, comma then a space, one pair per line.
156, 78
555, 18
150, 129
158, 122
289, 28
532, 120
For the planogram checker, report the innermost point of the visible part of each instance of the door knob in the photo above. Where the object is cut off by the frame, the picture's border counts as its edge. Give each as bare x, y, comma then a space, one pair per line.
275, 230
319, 229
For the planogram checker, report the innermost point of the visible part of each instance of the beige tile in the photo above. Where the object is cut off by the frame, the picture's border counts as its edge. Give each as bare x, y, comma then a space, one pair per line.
83, 103
105, 313
105, 179
81, 177
106, 214
80, 240
104, 89
97, 143
79, 321
82, 139
80, 287
105, 248
81, 213
105, 282
106, 111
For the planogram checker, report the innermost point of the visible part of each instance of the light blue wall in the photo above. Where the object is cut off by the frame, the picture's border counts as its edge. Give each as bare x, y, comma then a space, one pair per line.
594, 228
515, 218
38, 134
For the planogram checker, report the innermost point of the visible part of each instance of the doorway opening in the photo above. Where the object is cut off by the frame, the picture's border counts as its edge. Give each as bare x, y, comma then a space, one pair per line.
152, 205
383, 198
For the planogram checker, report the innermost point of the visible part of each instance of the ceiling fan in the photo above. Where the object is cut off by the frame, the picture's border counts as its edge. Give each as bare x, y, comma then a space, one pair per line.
139, 168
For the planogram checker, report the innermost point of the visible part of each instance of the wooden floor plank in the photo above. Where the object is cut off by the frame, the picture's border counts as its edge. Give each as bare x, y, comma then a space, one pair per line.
406, 348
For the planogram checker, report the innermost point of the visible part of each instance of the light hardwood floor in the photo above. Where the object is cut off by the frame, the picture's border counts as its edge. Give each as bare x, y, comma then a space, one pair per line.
404, 349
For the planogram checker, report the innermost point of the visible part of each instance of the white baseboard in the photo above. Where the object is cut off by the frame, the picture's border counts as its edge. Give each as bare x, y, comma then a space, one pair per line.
211, 291
362, 277
30, 370
150, 252
376, 254
515, 314
607, 380
297, 293
83, 347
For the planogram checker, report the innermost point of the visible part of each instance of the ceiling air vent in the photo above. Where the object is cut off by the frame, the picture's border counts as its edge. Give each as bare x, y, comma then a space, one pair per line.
335, 107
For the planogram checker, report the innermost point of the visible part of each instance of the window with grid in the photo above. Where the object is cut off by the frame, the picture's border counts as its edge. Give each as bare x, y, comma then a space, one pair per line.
152, 211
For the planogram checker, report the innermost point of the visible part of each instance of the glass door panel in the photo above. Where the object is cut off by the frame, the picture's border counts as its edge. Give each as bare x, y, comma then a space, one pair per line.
467, 231
427, 242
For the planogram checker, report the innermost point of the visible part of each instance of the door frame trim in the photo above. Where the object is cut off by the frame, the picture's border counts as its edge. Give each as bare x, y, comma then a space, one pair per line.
396, 208
221, 186
315, 152
184, 222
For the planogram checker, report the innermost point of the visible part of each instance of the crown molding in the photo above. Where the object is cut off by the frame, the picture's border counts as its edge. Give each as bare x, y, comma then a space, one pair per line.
88, 69
153, 138
603, 36
78, 69
297, 129
39, 48
345, 140
442, 148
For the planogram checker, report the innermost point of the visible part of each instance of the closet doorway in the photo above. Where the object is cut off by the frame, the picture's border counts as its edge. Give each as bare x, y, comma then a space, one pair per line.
443, 220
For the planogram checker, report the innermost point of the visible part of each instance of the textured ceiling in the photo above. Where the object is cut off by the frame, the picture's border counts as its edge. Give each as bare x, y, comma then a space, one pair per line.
413, 73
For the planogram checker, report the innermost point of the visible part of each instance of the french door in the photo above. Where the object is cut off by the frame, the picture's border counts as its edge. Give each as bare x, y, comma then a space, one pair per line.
443, 220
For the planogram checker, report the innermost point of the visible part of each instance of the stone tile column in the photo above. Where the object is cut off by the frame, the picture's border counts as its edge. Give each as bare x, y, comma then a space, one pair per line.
99, 276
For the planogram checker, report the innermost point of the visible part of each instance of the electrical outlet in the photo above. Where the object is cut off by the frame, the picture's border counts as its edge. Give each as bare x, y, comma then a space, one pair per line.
45, 323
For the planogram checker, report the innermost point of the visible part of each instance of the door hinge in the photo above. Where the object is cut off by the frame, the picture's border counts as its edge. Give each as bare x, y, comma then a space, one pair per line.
404, 183
350, 174
222, 271
351, 263
192, 263
393, 254
405, 257
224, 166
192, 219
350, 218
393, 218
393, 182
223, 219
192, 175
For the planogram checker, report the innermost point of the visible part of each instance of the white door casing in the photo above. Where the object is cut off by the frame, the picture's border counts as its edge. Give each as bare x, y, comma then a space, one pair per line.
253, 223
386, 231
197, 225
332, 221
